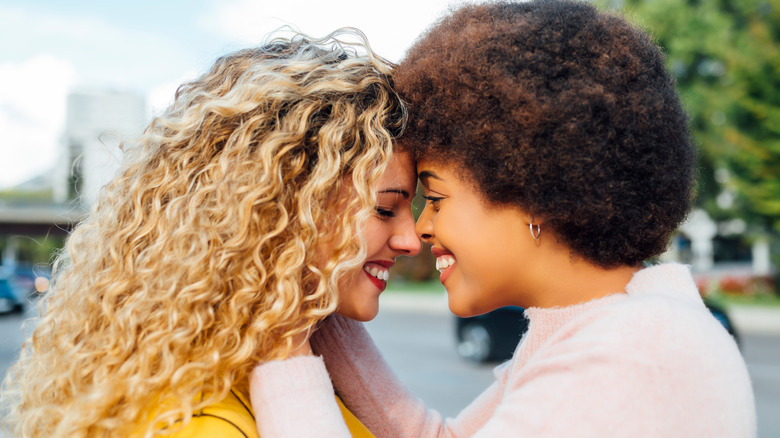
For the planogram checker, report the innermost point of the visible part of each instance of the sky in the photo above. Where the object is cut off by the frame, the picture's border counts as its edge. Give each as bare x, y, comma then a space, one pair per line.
49, 48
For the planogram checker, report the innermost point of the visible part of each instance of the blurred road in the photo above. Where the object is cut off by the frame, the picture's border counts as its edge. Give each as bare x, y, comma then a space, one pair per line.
416, 337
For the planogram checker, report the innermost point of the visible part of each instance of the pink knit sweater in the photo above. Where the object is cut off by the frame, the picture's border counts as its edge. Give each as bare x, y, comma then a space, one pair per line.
652, 362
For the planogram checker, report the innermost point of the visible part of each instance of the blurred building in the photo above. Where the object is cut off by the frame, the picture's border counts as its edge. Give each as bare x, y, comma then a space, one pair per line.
97, 122
708, 245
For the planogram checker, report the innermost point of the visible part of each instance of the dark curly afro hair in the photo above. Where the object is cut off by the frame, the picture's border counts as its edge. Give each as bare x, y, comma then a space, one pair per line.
562, 110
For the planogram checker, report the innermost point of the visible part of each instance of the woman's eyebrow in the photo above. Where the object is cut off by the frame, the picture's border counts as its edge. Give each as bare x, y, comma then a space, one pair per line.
401, 192
425, 175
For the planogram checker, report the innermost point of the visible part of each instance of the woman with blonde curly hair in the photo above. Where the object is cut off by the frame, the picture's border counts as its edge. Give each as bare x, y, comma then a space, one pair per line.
265, 198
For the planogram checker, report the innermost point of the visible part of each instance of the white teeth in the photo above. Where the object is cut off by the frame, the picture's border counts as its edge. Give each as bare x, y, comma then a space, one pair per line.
444, 262
382, 274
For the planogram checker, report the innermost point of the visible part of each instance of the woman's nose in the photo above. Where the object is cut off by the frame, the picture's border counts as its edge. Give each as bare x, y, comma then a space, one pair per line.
424, 226
405, 240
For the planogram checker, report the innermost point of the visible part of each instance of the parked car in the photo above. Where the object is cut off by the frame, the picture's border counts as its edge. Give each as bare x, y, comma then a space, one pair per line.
493, 337
10, 301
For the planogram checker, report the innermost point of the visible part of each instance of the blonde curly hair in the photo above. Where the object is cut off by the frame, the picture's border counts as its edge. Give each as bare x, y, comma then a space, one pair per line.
203, 257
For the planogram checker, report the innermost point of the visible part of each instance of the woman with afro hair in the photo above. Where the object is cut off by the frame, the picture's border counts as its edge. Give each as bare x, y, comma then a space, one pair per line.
556, 160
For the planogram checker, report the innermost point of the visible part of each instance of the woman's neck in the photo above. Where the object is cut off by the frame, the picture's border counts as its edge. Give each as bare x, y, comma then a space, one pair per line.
579, 281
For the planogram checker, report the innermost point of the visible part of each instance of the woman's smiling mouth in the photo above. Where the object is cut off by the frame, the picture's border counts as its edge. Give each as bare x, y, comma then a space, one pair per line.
378, 272
445, 263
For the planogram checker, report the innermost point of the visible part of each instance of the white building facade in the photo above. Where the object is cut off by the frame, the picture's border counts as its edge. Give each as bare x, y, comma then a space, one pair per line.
97, 123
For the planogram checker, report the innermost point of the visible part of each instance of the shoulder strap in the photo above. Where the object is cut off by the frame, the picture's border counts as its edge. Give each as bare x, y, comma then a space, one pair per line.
202, 414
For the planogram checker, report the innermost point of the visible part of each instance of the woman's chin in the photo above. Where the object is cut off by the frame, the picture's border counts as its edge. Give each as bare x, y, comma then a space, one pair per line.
463, 308
362, 314
463, 313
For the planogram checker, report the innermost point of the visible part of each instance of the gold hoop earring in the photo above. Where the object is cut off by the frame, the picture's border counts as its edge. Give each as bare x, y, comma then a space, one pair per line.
538, 232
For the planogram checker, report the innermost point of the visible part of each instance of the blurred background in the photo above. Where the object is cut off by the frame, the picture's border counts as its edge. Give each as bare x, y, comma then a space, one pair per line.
79, 77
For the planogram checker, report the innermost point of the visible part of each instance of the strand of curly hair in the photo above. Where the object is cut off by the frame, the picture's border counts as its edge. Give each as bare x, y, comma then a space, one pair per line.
199, 260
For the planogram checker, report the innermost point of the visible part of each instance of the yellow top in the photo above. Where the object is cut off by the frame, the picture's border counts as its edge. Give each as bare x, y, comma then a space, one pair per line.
233, 417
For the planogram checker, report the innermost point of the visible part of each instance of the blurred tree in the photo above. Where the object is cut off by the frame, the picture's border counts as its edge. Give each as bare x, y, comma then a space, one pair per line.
39, 250
725, 55
13, 196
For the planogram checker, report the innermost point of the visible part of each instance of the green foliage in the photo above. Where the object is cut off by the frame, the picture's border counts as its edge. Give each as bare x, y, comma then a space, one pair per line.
421, 267
431, 286
727, 300
12, 196
725, 56
37, 250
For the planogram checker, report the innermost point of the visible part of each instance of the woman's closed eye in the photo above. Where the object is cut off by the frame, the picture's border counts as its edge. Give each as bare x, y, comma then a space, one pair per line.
434, 200
385, 213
